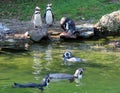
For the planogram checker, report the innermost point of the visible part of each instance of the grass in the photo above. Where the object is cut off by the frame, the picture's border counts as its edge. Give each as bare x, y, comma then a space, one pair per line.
76, 9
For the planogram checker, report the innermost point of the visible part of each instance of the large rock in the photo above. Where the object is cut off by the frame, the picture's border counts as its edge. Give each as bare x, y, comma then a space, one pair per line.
109, 22
37, 34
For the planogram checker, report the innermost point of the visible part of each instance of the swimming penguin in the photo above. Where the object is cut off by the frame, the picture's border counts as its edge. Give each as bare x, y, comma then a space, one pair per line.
52, 76
68, 57
40, 86
37, 19
77, 75
49, 16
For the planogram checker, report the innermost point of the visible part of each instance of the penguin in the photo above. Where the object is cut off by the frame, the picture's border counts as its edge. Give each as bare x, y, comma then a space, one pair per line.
44, 83
37, 19
68, 25
49, 16
68, 57
67, 54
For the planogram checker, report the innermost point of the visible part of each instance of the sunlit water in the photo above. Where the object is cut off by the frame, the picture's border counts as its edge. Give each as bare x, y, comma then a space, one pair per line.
101, 71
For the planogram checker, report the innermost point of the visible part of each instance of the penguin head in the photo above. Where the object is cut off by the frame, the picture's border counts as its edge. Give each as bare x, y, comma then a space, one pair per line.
63, 19
78, 73
46, 80
48, 6
67, 54
37, 10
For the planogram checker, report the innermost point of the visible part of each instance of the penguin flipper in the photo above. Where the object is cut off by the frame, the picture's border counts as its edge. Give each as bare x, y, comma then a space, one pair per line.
44, 17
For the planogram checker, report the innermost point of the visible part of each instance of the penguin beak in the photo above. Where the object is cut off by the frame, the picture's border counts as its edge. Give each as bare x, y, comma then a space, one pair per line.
78, 72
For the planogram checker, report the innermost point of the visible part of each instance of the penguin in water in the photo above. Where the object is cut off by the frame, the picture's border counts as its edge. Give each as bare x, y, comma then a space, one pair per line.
44, 83
49, 16
68, 57
37, 19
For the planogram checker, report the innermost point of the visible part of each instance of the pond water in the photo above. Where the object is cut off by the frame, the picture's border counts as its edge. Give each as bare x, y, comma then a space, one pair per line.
101, 70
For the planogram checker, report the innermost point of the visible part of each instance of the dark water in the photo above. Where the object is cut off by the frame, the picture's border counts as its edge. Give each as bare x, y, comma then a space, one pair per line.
101, 70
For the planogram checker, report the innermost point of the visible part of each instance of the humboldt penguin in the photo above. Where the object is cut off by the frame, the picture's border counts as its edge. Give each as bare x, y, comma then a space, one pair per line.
68, 25
49, 16
68, 57
37, 19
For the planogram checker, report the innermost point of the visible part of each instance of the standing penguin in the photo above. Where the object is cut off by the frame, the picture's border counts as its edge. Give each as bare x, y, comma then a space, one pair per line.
48, 16
37, 20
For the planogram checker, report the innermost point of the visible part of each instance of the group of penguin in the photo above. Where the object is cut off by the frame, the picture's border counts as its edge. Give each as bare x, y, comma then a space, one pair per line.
67, 56
66, 23
52, 76
48, 16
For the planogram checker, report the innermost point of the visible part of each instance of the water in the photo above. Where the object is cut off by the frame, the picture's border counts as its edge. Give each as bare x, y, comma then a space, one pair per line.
101, 71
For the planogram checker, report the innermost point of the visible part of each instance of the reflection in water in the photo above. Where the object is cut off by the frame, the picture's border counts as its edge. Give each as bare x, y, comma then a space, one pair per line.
37, 66
39, 53
48, 56
43, 55
48, 53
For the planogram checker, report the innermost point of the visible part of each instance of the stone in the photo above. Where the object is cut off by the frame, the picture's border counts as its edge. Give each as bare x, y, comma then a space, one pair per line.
109, 22
37, 34
85, 30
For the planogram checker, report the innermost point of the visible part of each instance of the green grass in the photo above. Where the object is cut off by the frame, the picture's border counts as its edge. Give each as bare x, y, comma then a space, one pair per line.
76, 9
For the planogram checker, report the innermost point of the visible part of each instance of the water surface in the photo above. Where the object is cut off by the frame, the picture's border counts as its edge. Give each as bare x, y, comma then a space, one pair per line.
101, 71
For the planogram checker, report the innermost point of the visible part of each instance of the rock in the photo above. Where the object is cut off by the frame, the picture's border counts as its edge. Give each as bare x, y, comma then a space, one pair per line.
65, 35
109, 22
85, 30
37, 34
14, 44
114, 44
5, 31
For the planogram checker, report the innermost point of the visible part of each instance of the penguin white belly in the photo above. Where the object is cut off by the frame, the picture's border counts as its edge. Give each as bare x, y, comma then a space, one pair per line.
37, 20
49, 18
74, 59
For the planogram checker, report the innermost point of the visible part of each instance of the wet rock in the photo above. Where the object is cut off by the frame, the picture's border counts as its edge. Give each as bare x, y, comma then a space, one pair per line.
14, 44
85, 30
114, 44
65, 35
37, 34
